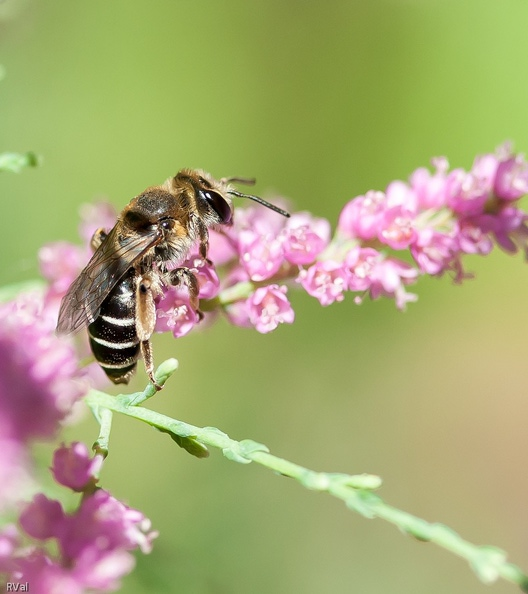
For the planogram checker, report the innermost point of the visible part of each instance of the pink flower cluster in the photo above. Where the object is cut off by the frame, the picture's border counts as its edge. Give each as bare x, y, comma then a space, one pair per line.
436, 217
40, 381
91, 546
260, 251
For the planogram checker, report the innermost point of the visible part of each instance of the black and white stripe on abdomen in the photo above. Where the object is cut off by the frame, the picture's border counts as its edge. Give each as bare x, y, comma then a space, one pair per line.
113, 337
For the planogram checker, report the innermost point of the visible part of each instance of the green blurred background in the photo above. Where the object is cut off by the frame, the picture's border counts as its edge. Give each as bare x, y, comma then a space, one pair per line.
321, 102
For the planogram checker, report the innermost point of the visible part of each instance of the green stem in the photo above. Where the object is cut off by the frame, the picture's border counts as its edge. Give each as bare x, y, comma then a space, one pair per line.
104, 417
489, 563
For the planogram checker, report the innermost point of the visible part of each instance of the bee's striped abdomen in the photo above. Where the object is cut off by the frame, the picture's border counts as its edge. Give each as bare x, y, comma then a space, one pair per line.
113, 336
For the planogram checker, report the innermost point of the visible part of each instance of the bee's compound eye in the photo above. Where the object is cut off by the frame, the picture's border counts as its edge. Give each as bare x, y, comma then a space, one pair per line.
167, 224
218, 203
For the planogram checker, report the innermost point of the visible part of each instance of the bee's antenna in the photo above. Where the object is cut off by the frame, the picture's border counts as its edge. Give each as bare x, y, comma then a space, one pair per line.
247, 181
260, 201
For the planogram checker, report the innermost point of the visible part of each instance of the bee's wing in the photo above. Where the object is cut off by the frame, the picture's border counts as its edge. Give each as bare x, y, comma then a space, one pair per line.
110, 262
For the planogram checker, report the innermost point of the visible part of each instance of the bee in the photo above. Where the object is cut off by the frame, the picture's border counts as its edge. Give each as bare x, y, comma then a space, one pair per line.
115, 293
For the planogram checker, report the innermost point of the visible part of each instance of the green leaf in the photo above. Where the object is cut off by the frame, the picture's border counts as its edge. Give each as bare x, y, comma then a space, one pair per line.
248, 447
15, 162
190, 444
487, 562
232, 453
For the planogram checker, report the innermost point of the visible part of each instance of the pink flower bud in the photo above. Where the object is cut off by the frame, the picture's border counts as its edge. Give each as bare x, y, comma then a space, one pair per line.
73, 466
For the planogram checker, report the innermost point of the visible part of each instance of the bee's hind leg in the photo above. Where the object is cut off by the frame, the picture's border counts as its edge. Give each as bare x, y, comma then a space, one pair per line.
148, 359
146, 321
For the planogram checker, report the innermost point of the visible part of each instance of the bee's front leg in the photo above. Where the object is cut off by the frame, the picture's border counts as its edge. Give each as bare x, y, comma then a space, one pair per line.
187, 278
146, 290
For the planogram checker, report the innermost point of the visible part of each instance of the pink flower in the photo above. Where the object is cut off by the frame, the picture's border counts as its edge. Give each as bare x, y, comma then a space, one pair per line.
73, 466
260, 255
511, 179
510, 229
400, 194
396, 227
93, 544
14, 470
103, 523
268, 307
42, 518
360, 263
36, 366
473, 235
222, 246
325, 280
361, 216
434, 251
60, 264
467, 193
174, 313
238, 314
9, 541
205, 273
45, 575
388, 279
430, 189
304, 237
258, 219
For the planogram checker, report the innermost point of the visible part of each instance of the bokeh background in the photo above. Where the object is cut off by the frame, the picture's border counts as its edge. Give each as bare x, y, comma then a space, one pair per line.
320, 101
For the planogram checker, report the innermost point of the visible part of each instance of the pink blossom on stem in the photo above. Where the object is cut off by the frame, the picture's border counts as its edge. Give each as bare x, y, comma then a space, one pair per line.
238, 313
325, 280
205, 273
14, 470
467, 193
360, 217
268, 307
304, 237
511, 180
222, 246
359, 263
9, 542
45, 378
74, 467
104, 523
93, 544
472, 237
60, 263
433, 251
174, 312
388, 279
260, 255
509, 227
430, 188
396, 227
42, 518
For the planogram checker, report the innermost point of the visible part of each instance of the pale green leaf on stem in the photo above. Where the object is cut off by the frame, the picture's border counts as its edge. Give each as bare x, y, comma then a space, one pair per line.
15, 162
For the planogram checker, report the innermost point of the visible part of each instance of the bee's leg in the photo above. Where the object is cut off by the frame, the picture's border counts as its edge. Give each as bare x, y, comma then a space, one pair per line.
204, 239
148, 360
184, 277
146, 321
97, 238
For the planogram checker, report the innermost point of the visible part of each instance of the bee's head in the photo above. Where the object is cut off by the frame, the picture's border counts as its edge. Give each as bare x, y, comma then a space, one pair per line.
210, 196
